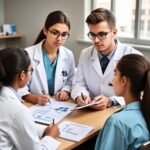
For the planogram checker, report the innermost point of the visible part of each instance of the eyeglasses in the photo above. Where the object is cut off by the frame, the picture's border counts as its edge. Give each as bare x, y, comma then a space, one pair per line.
56, 34
100, 35
30, 70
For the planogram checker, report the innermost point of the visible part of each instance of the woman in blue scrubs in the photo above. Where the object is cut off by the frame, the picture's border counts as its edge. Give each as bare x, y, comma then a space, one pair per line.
128, 128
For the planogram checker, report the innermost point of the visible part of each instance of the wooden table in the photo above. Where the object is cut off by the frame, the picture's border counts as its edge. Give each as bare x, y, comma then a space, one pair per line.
85, 116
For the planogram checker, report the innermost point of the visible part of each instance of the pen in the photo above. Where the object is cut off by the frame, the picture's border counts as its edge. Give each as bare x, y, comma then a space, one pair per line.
45, 94
53, 121
98, 99
82, 96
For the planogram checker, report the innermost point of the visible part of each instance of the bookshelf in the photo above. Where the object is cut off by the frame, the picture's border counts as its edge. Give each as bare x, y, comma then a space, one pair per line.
17, 35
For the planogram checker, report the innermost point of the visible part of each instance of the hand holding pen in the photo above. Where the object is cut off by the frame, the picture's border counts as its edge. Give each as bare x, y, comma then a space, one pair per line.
52, 130
82, 96
48, 97
43, 98
83, 100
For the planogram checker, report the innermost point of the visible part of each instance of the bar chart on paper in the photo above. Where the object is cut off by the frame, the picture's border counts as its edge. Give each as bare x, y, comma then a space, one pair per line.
56, 109
74, 131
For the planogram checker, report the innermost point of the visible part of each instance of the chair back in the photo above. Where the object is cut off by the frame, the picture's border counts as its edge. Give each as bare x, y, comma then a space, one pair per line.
145, 146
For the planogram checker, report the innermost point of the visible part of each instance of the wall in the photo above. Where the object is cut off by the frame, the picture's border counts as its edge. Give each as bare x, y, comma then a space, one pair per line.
1, 12
2, 42
29, 16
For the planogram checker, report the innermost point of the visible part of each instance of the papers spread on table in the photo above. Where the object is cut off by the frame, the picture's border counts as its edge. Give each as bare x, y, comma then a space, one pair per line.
55, 110
84, 106
74, 131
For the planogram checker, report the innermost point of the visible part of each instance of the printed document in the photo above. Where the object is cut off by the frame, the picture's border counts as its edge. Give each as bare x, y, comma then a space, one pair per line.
84, 106
74, 131
55, 110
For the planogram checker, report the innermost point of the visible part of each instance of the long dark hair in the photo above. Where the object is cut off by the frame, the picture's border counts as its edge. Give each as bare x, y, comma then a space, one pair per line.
53, 18
12, 61
137, 69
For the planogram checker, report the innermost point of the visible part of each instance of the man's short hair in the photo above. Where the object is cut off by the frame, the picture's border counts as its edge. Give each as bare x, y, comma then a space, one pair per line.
100, 15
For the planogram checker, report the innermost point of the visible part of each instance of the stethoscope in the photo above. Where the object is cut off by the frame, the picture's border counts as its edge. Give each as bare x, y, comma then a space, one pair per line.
110, 84
64, 74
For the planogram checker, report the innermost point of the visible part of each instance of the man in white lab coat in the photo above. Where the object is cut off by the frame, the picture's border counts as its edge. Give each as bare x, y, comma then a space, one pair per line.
93, 78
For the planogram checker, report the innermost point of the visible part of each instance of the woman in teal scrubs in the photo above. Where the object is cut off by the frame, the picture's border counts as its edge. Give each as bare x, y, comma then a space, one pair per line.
128, 128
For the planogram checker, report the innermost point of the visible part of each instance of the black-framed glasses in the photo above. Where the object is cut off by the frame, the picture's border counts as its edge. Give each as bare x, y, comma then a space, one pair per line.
100, 35
56, 34
30, 70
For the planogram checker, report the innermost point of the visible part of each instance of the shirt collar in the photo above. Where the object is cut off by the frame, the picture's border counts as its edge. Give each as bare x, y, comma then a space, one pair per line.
133, 106
7, 90
46, 58
110, 55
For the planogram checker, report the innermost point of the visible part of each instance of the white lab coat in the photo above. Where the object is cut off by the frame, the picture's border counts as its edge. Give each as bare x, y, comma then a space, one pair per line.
17, 128
89, 78
38, 80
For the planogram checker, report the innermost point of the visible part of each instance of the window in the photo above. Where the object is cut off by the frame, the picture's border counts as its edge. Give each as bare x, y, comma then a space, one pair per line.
144, 33
148, 28
142, 26
102, 3
143, 12
132, 19
125, 17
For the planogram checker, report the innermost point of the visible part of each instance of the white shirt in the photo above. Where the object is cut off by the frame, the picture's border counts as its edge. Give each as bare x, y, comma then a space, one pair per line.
17, 128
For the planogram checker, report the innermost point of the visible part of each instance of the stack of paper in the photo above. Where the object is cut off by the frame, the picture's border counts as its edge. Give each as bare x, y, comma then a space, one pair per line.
74, 131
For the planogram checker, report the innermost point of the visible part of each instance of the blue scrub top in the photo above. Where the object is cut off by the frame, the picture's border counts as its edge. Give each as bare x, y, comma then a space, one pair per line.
124, 130
50, 69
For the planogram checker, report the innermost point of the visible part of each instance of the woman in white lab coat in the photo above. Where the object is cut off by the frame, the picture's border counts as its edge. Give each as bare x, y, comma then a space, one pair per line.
53, 63
17, 128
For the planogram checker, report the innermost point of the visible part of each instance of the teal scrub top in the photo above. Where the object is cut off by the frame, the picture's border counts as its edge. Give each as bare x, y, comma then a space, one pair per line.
50, 69
124, 130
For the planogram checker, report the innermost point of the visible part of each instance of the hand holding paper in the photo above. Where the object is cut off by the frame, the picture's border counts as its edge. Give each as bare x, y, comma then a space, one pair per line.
87, 105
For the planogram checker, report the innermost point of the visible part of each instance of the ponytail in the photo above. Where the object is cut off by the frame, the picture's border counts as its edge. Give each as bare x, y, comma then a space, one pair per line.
137, 69
2, 72
145, 103
40, 37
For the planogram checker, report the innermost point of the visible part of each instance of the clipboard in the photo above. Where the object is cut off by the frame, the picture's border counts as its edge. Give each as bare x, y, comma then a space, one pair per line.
85, 106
